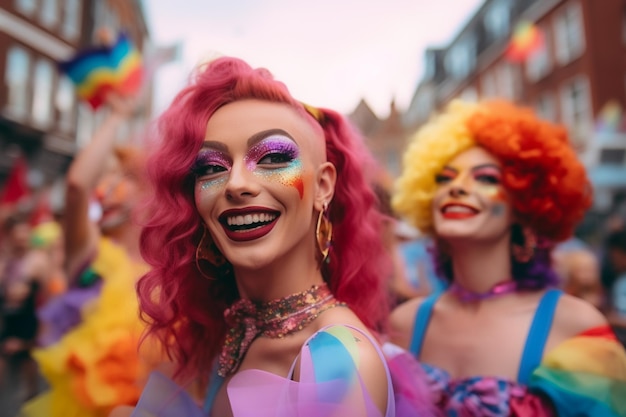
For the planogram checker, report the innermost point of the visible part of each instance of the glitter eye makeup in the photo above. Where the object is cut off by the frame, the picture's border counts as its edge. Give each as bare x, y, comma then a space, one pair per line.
275, 158
274, 149
209, 163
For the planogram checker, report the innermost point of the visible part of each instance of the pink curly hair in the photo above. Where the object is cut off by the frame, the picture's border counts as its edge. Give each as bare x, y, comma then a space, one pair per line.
183, 309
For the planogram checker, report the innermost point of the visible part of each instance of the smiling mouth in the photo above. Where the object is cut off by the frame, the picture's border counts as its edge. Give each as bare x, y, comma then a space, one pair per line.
248, 225
247, 222
458, 211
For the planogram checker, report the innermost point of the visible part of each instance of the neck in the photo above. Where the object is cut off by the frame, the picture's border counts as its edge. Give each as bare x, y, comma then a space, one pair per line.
295, 271
478, 267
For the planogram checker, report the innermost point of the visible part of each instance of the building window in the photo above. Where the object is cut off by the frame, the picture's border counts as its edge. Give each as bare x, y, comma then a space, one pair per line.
576, 109
488, 88
393, 162
71, 18
539, 64
461, 58
612, 156
85, 125
49, 13
507, 81
16, 79
65, 102
469, 94
106, 19
569, 33
497, 20
42, 93
546, 107
26, 7
430, 65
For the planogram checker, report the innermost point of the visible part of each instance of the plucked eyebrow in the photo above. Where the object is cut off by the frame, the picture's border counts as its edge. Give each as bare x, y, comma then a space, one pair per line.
483, 166
253, 140
474, 169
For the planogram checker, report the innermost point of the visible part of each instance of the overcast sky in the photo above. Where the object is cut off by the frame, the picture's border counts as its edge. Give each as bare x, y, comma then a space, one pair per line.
330, 53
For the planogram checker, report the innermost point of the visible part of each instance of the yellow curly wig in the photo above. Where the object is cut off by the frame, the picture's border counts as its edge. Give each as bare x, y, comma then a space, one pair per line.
437, 142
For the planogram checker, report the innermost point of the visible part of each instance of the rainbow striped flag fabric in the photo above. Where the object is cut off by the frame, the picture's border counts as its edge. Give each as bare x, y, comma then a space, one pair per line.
96, 71
585, 375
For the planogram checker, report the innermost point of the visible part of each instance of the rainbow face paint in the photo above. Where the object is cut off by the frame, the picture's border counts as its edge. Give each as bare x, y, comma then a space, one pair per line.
489, 183
275, 159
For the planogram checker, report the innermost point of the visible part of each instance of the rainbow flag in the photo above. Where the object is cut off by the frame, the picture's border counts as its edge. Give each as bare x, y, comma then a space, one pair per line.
527, 38
96, 71
585, 375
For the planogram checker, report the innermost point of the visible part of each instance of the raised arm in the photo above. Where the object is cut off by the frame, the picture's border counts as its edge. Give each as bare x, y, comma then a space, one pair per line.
81, 234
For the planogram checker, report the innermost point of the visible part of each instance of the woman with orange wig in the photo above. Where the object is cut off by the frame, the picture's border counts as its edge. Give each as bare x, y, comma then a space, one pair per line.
496, 187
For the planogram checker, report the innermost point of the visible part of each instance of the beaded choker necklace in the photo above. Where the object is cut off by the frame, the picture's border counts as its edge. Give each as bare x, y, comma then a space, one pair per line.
468, 296
275, 319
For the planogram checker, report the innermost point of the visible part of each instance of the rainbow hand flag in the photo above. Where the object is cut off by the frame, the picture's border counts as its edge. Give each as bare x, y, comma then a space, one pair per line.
96, 71
527, 39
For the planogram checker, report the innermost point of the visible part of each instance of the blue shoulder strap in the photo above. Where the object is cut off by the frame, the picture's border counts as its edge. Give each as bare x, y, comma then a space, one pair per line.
538, 334
215, 383
424, 312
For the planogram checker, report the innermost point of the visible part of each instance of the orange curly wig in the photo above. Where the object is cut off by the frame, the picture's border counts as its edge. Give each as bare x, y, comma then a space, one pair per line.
548, 184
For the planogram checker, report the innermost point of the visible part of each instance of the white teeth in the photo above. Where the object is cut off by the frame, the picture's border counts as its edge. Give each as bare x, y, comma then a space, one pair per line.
457, 209
249, 219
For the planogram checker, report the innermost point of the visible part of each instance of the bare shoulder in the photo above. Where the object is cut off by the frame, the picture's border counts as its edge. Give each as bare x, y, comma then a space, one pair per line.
401, 322
369, 360
574, 316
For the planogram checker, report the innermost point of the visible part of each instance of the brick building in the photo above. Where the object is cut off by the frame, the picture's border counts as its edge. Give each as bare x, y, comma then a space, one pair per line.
579, 71
40, 116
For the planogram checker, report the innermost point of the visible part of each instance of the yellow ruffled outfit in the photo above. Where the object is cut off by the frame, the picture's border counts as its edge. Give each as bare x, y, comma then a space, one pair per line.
96, 365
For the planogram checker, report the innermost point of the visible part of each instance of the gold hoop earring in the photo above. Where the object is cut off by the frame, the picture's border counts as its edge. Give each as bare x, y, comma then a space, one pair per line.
523, 254
324, 233
208, 251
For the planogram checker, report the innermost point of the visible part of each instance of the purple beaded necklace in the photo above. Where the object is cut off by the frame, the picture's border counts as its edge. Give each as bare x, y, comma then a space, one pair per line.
468, 296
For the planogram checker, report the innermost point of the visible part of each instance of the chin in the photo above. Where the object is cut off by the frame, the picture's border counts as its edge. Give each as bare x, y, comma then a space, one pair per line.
113, 223
250, 259
456, 233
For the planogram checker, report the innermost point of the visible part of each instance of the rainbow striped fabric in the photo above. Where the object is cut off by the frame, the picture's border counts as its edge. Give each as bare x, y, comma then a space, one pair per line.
585, 375
96, 71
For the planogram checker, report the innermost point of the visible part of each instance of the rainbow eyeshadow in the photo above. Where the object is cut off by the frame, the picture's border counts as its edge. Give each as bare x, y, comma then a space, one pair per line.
288, 169
290, 176
273, 145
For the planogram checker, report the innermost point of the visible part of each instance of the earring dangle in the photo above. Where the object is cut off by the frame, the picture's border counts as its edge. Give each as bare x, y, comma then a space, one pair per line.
207, 251
324, 233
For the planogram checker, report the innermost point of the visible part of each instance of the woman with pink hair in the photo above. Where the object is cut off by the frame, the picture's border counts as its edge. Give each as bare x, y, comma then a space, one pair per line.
267, 268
